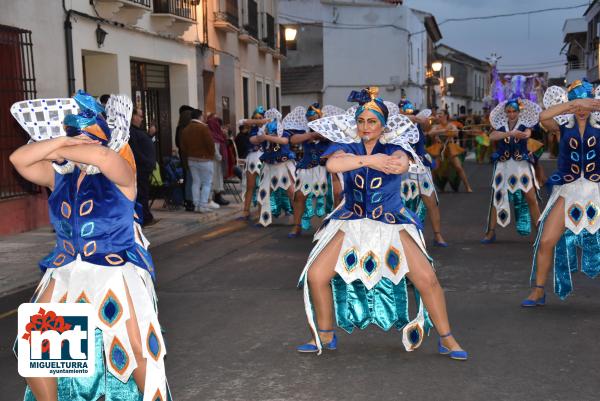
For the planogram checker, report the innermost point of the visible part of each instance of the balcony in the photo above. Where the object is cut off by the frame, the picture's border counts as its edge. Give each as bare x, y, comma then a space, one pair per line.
227, 20
174, 17
251, 26
127, 12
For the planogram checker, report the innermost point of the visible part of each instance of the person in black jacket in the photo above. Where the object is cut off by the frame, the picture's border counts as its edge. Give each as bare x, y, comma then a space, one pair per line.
144, 153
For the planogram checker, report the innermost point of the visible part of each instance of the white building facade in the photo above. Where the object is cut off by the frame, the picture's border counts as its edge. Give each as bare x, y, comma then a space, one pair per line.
347, 45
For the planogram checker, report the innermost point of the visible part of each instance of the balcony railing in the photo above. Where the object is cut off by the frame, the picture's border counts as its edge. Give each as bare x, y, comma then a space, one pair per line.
231, 12
575, 65
180, 8
269, 34
252, 25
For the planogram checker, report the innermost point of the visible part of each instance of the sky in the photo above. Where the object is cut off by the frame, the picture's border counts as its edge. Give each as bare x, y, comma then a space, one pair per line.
520, 40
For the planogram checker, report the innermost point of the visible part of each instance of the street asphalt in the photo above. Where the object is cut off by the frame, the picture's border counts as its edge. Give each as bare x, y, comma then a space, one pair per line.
233, 316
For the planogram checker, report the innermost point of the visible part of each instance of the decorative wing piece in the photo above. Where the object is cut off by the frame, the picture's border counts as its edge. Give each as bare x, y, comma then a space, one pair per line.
340, 128
556, 95
425, 113
296, 120
401, 131
498, 117
275, 115
43, 118
329, 110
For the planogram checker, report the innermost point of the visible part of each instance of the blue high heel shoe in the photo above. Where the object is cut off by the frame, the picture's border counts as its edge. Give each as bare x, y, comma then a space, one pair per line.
456, 355
486, 241
529, 303
312, 348
295, 234
440, 244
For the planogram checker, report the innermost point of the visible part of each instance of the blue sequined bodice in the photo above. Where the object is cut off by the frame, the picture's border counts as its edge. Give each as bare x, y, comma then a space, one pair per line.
276, 153
578, 155
371, 194
95, 222
312, 151
250, 146
511, 147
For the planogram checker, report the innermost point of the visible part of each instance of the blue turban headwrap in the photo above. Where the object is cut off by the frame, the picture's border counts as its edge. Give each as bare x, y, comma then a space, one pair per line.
581, 89
406, 106
368, 100
259, 111
88, 121
515, 103
271, 127
314, 110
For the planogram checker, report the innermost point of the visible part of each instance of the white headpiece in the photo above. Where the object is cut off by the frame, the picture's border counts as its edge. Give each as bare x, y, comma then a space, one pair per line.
296, 120
529, 114
43, 119
275, 115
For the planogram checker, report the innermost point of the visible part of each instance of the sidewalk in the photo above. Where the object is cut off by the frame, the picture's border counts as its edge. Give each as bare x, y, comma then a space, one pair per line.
19, 254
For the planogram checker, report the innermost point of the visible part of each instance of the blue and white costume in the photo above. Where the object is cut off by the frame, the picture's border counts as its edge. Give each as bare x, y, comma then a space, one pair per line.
369, 286
253, 163
415, 185
278, 165
577, 181
514, 173
100, 254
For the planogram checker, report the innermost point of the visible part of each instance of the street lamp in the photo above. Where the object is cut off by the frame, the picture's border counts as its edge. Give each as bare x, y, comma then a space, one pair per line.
450, 79
290, 34
436, 66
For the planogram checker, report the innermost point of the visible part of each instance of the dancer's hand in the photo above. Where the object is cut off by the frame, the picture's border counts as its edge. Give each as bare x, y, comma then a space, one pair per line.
78, 140
387, 164
522, 134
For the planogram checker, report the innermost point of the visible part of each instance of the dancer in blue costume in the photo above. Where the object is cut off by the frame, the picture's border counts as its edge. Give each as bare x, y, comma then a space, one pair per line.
253, 164
101, 255
418, 190
278, 164
514, 180
311, 174
570, 220
371, 241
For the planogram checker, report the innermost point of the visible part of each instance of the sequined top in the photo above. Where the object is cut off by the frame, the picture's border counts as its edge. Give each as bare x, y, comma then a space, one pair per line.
369, 193
311, 152
578, 156
276, 153
95, 222
511, 147
251, 146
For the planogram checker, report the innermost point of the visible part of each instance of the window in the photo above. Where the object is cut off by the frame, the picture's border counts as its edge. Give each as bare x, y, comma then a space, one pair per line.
277, 101
268, 89
17, 82
245, 97
259, 93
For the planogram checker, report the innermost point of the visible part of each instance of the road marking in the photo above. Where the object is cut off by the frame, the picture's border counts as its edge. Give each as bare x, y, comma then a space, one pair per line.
9, 313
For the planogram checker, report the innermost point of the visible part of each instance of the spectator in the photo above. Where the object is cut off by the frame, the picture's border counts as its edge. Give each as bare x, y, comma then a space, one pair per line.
144, 153
185, 116
242, 141
221, 155
198, 154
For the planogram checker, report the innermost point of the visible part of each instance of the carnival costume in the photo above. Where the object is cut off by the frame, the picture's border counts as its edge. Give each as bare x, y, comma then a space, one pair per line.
514, 173
278, 165
370, 285
577, 181
253, 163
415, 185
100, 253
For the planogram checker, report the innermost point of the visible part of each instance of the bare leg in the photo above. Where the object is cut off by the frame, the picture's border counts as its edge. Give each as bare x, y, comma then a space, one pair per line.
319, 282
554, 227
434, 216
491, 223
540, 174
299, 206
423, 277
534, 208
135, 339
461, 172
44, 388
250, 184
